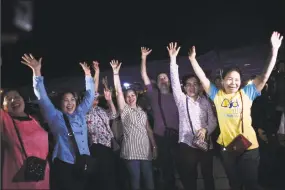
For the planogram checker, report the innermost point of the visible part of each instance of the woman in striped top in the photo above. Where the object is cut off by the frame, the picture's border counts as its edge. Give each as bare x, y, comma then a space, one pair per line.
138, 137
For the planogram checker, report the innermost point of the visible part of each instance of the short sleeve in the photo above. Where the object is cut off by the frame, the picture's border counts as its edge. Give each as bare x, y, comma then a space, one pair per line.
251, 91
213, 91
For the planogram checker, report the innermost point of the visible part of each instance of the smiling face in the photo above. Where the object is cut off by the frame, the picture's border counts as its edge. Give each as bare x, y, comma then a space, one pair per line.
131, 98
68, 103
14, 103
232, 82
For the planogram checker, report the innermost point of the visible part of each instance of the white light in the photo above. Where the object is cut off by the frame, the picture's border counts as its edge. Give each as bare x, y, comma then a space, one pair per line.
126, 85
249, 82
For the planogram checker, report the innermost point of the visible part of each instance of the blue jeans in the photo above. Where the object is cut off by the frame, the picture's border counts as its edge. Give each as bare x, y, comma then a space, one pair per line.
135, 168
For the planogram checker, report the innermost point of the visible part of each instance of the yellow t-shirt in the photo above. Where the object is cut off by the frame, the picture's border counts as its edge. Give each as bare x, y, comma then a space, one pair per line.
229, 108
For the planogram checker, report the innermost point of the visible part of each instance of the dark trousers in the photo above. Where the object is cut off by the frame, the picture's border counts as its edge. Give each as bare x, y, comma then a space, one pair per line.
104, 177
165, 163
65, 177
188, 159
242, 171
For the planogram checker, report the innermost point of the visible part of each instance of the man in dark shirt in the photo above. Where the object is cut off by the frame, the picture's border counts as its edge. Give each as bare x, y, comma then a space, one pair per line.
166, 122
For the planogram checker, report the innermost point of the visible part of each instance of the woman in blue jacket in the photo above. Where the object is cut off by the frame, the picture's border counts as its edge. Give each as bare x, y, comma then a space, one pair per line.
63, 154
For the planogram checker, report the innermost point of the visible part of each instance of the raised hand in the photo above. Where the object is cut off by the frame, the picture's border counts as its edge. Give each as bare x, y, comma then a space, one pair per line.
107, 94
30, 61
96, 66
86, 68
105, 82
173, 50
276, 40
115, 66
192, 53
145, 52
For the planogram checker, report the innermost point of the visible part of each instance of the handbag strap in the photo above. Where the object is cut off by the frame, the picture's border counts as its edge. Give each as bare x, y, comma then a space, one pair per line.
71, 134
187, 107
20, 139
161, 110
241, 114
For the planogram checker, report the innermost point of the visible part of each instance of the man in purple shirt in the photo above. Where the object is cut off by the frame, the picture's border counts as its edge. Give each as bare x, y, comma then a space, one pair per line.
166, 121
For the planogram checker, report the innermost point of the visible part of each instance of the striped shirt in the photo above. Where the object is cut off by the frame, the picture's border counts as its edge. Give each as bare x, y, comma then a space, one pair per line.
136, 144
201, 112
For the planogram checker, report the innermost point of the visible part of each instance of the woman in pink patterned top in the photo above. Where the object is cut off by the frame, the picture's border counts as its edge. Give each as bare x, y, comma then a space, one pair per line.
35, 142
100, 138
196, 118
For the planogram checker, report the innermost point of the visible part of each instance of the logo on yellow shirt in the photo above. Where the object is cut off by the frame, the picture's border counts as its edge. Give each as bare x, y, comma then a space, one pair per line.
226, 103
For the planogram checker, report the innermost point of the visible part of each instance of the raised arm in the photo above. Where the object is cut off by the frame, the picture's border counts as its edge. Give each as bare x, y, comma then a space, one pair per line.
97, 74
260, 81
108, 96
90, 95
47, 108
212, 120
198, 70
174, 75
117, 83
144, 53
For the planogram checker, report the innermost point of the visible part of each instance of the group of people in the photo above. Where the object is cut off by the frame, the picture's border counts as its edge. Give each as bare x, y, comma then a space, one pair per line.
184, 120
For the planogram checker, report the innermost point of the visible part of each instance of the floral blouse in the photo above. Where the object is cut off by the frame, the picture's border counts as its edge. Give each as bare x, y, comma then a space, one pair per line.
98, 123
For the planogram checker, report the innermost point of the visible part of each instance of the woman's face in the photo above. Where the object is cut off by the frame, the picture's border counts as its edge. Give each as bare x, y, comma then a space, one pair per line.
14, 103
131, 98
232, 82
68, 103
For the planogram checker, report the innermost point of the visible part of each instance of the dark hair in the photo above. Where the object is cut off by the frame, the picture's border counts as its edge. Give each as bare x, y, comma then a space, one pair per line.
57, 100
6, 91
217, 78
128, 90
229, 70
188, 76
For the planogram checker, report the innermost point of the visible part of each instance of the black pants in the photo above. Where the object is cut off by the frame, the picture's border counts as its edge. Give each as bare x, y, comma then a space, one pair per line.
167, 148
65, 177
242, 171
104, 178
188, 159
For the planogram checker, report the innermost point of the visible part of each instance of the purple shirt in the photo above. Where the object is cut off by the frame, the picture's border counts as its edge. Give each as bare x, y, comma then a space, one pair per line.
169, 109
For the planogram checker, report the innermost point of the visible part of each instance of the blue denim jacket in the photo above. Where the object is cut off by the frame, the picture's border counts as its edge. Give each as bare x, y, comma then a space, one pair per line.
63, 147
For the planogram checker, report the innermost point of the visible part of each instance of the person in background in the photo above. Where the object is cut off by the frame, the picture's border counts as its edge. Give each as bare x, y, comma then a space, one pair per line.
138, 146
166, 123
63, 154
203, 123
263, 121
218, 82
13, 118
233, 109
100, 139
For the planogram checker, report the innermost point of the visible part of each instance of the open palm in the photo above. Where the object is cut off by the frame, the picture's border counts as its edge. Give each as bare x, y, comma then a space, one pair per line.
115, 66
173, 50
145, 52
31, 62
96, 66
85, 68
107, 94
276, 40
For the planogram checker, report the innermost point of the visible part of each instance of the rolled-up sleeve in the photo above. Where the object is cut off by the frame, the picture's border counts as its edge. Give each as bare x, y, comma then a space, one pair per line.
90, 95
47, 108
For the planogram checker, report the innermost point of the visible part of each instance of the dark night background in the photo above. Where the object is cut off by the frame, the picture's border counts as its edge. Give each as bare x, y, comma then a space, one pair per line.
67, 32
